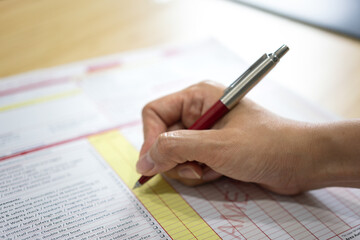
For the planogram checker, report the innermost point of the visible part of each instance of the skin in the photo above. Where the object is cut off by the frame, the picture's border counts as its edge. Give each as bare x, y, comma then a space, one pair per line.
249, 144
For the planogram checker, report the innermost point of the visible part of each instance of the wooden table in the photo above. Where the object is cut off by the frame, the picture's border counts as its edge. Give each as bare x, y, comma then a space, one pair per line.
323, 67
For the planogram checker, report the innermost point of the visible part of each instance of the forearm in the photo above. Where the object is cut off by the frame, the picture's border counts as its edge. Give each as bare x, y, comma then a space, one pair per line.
335, 150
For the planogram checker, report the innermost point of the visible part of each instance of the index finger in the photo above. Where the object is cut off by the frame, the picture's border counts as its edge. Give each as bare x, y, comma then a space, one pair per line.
181, 108
158, 115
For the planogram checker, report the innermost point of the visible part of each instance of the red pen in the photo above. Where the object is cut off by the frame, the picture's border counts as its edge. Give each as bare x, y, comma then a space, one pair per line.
233, 94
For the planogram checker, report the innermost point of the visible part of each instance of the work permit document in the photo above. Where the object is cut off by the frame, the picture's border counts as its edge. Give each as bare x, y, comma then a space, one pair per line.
69, 141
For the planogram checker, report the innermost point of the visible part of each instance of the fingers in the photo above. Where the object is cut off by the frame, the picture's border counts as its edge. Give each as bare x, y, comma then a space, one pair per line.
178, 147
182, 109
192, 174
158, 115
198, 99
189, 173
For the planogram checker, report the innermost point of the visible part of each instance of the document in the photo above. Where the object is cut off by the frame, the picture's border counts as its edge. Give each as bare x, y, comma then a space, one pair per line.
68, 192
69, 142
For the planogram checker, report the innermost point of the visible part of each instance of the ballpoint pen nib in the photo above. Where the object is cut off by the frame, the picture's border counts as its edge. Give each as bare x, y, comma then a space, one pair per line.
137, 184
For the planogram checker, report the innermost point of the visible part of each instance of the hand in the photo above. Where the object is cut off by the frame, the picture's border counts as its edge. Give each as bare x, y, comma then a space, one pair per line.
249, 144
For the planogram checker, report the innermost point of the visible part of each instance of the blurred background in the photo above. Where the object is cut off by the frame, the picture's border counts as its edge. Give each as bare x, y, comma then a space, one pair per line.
323, 65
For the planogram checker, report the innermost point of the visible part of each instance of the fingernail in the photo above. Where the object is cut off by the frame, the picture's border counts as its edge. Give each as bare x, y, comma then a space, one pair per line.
188, 173
145, 163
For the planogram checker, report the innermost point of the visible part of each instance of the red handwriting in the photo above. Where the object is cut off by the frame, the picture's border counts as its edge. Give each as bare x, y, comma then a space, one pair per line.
231, 230
237, 216
231, 197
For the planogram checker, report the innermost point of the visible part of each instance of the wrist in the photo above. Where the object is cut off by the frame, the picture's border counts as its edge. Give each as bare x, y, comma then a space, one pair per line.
331, 158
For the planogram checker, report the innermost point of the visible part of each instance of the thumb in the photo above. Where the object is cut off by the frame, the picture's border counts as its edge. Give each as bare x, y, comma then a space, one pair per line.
177, 147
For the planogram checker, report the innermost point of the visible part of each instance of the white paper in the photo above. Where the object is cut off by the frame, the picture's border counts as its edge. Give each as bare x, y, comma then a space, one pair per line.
54, 185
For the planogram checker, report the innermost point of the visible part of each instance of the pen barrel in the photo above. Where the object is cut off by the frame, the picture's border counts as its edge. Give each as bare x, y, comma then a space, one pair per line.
144, 179
234, 93
251, 77
206, 121
247, 81
210, 117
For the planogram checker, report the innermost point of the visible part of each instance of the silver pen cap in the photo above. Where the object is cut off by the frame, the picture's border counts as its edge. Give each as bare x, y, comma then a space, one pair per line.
251, 77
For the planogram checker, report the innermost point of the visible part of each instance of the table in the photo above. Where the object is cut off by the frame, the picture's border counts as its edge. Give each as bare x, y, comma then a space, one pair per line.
321, 66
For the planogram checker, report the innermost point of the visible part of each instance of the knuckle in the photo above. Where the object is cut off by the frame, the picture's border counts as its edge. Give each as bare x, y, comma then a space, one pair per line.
198, 86
165, 144
206, 83
168, 146
147, 109
195, 108
220, 149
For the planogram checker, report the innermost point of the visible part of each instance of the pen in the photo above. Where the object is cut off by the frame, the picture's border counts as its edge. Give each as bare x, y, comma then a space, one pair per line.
233, 94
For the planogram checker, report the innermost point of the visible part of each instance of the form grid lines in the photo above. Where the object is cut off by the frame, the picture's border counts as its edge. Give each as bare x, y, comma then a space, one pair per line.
243, 213
342, 202
352, 194
332, 212
112, 147
135, 194
337, 235
339, 207
164, 202
213, 205
319, 219
277, 202
34, 85
36, 149
237, 185
148, 211
190, 205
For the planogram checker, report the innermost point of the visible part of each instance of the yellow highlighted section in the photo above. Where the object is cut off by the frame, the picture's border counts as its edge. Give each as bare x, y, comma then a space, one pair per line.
40, 100
173, 213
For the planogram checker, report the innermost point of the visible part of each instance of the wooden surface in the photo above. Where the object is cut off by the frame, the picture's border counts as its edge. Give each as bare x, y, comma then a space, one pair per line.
321, 66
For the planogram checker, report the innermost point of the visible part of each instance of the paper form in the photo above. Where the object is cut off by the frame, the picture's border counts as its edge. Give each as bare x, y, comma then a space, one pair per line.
46, 115
69, 192
165, 204
61, 150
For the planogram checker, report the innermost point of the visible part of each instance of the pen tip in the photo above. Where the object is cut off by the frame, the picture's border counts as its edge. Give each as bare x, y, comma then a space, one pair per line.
137, 184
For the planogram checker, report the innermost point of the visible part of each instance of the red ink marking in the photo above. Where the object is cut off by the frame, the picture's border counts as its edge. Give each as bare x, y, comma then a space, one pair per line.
237, 209
241, 210
247, 196
35, 85
129, 124
234, 227
103, 66
238, 185
233, 198
231, 230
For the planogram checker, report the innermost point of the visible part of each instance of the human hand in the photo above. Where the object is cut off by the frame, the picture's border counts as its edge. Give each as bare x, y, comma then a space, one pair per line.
249, 144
